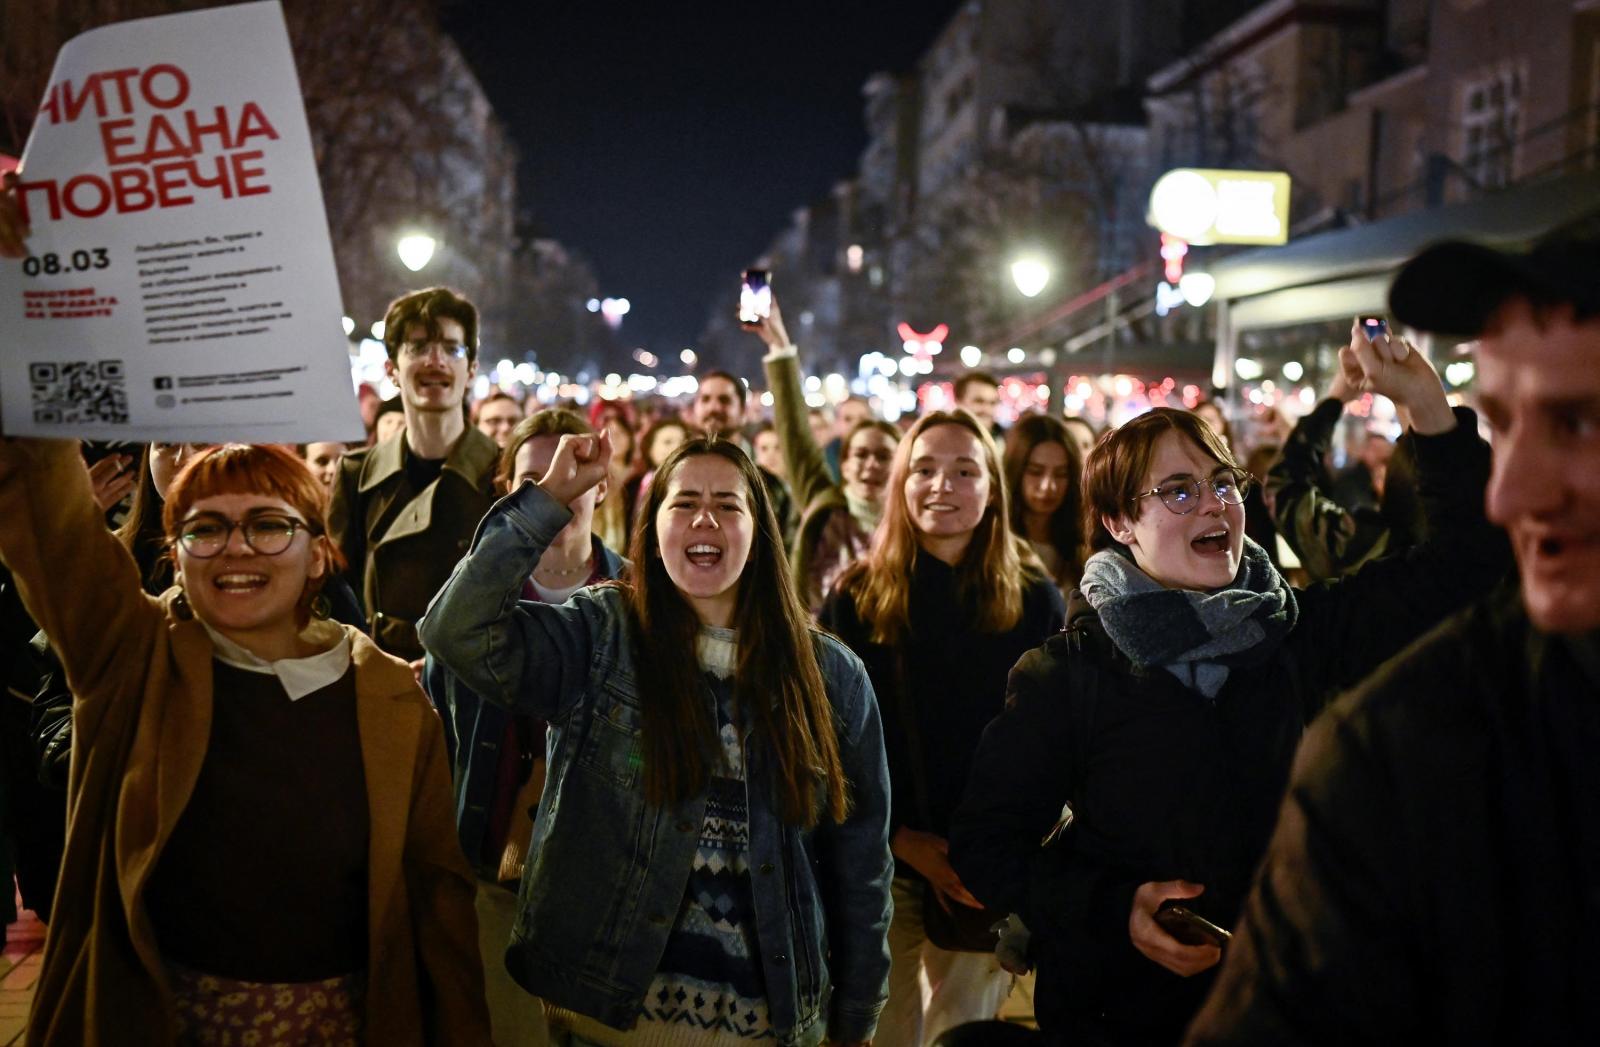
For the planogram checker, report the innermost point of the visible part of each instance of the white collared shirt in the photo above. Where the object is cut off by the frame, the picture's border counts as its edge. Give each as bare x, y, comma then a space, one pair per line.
299, 676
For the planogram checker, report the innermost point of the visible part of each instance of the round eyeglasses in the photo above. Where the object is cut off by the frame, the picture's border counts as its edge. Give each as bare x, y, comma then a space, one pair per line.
207, 535
1181, 496
450, 350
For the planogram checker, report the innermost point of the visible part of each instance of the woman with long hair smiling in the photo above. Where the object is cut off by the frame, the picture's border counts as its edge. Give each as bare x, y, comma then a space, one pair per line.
710, 858
196, 896
1045, 475
943, 606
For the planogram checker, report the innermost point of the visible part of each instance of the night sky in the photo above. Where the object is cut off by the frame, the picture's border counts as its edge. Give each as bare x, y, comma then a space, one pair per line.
668, 142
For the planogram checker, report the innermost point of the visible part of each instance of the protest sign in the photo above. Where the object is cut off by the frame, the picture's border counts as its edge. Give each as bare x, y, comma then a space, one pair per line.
180, 283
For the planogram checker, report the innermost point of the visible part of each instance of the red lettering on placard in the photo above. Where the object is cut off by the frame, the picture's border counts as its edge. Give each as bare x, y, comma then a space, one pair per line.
221, 181
114, 142
253, 123
242, 174
178, 78
70, 194
131, 188
162, 86
169, 179
162, 142
198, 131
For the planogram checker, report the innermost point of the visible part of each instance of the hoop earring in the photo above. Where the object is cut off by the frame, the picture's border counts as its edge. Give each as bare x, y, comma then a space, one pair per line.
180, 604
321, 607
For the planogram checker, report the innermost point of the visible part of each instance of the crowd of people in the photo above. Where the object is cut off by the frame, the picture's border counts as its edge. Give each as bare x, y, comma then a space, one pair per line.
522, 724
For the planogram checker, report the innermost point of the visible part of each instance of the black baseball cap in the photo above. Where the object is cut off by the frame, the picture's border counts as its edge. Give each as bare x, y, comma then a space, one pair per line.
1455, 287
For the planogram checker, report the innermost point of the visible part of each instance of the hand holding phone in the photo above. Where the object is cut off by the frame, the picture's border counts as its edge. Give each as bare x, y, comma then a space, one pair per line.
1188, 926
1151, 937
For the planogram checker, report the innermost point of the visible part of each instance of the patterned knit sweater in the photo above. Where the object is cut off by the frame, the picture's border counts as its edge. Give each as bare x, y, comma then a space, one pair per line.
709, 988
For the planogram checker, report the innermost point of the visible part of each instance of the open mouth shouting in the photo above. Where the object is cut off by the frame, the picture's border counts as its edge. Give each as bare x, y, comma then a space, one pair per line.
1213, 542
703, 555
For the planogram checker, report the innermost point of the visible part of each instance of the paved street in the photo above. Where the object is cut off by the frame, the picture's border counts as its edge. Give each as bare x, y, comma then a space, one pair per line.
19, 970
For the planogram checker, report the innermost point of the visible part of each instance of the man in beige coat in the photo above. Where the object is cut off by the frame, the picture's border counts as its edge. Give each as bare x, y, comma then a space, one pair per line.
404, 511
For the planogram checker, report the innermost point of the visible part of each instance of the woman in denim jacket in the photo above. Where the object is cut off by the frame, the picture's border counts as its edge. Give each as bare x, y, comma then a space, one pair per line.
710, 862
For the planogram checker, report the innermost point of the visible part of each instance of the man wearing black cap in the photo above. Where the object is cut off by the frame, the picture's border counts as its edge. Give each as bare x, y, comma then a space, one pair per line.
1435, 873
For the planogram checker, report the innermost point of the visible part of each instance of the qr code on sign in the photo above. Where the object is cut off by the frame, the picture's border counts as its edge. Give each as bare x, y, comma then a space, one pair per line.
78, 392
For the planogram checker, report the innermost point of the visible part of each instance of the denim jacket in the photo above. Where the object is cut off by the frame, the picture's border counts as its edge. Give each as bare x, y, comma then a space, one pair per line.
607, 871
474, 731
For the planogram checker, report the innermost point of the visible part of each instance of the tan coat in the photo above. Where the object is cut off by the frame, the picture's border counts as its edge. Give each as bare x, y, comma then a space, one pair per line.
140, 671
402, 543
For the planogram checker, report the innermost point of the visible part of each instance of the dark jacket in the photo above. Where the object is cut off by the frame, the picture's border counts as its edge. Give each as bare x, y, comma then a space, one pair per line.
474, 731
1435, 874
402, 543
951, 678
1167, 785
1331, 538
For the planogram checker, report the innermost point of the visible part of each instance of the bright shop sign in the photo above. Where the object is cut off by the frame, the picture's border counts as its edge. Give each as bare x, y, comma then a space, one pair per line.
1207, 206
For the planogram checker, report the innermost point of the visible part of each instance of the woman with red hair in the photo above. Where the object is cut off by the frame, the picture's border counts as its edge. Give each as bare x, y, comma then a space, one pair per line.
261, 833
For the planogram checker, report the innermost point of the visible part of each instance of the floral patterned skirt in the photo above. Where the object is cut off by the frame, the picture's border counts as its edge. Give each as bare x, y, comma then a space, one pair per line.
222, 1012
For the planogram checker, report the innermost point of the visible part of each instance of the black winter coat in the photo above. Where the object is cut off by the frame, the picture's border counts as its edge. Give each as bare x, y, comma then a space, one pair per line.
951, 677
1435, 875
1167, 785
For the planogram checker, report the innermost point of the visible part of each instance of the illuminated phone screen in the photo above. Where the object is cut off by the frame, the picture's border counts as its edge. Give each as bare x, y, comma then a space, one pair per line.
755, 297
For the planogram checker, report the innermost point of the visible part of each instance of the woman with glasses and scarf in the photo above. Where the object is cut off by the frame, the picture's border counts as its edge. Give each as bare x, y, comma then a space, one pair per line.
197, 897
1166, 716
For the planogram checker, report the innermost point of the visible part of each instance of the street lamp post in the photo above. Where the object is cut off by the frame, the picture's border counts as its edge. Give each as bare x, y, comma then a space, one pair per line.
1031, 274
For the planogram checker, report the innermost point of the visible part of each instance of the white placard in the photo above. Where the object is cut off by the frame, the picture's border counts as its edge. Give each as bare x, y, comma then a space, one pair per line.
180, 283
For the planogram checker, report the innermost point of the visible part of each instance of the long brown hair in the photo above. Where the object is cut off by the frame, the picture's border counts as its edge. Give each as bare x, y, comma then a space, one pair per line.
1066, 523
990, 575
778, 683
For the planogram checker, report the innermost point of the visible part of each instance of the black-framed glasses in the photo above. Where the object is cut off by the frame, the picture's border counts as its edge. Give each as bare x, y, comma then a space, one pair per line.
269, 534
450, 350
1181, 496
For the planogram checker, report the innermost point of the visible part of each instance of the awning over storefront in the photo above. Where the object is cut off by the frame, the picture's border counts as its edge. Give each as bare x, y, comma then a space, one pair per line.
1348, 271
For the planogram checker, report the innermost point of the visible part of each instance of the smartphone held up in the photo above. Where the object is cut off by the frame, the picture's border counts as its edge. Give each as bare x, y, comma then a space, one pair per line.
755, 296
1374, 327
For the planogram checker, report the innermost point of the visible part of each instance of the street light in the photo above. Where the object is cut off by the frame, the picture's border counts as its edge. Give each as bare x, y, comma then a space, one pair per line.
1197, 288
415, 249
1030, 275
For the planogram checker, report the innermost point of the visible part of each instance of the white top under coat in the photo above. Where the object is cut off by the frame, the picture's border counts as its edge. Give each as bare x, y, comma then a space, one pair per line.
299, 676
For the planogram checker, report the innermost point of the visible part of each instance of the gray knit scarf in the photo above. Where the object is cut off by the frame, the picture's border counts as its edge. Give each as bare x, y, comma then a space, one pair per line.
1197, 636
